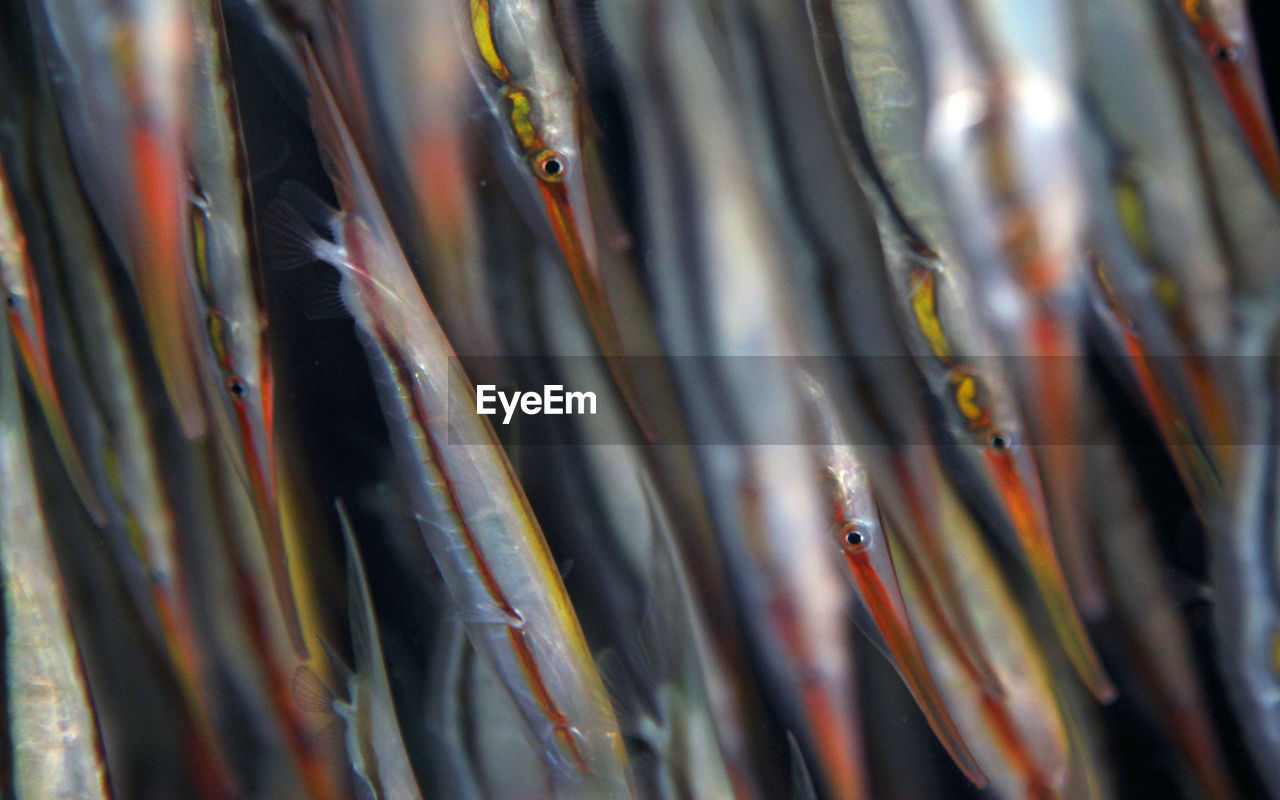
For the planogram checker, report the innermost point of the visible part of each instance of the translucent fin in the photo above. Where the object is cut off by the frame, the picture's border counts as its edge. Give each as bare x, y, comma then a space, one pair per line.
314, 211
289, 242
310, 692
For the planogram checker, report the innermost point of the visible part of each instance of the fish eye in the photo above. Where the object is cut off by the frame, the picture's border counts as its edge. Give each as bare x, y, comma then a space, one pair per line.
1222, 52
999, 442
236, 386
855, 537
11, 300
550, 166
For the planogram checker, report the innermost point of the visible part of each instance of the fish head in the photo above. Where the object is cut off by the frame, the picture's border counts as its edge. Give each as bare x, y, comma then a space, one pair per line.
22, 308
553, 156
857, 528
246, 388
241, 380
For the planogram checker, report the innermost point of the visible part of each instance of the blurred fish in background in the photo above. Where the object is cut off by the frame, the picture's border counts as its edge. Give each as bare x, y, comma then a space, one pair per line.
836, 399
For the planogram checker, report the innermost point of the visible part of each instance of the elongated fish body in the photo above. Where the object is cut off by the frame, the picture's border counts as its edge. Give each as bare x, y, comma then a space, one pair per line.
1162, 260
1159, 187
222, 275
1244, 575
119, 77
523, 74
24, 304
685, 728
1019, 738
421, 89
688, 684
1247, 212
1155, 632
473, 516
886, 74
956, 353
1219, 34
374, 743
860, 535
1004, 137
130, 459
26, 318
446, 720
723, 299
53, 728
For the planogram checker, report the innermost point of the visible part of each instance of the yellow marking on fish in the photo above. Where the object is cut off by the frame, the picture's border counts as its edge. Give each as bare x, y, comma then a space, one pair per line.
970, 400
216, 330
1168, 292
200, 251
482, 28
1133, 218
924, 307
520, 110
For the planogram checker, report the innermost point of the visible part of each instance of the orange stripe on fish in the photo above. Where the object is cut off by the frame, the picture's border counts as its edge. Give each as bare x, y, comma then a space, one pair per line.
160, 273
1046, 570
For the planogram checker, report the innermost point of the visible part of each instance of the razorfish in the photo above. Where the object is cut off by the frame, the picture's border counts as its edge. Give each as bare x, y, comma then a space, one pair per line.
53, 728
373, 741
1246, 212
877, 96
228, 294
129, 459
1022, 738
726, 314
26, 319
1161, 267
690, 680
1003, 134
448, 736
417, 79
120, 77
472, 514
1221, 30
1243, 569
1155, 631
674, 702
862, 538
525, 79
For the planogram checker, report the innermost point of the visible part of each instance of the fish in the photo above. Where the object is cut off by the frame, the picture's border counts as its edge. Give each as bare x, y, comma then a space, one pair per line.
727, 317
57, 747
421, 91
877, 97
643, 571
1221, 28
1003, 135
1155, 631
1243, 572
1020, 738
229, 297
118, 75
445, 693
524, 77
673, 698
1161, 265
1246, 212
373, 740
25, 309
140, 506
471, 512
857, 530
